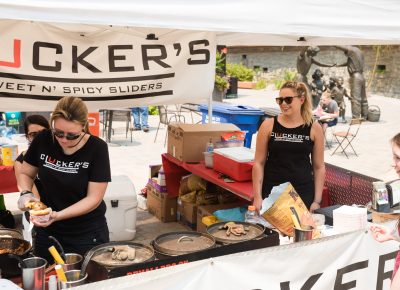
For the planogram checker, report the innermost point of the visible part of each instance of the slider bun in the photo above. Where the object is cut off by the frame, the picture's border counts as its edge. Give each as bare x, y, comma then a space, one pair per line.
40, 212
35, 205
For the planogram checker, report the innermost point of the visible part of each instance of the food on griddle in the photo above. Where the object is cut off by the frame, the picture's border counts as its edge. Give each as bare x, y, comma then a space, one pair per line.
234, 228
17, 251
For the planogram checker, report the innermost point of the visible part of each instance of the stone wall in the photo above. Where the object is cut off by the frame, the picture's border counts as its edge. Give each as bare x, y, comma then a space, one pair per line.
273, 60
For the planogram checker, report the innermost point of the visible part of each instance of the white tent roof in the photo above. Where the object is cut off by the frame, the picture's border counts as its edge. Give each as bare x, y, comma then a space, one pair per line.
259, 22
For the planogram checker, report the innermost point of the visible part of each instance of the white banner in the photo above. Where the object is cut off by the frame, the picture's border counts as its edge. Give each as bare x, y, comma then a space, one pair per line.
40, 63
347, 261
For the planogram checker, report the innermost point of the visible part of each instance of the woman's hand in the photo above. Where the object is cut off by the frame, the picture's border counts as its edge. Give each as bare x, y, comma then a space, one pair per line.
314, 206
257, 202
381, 233
53, 218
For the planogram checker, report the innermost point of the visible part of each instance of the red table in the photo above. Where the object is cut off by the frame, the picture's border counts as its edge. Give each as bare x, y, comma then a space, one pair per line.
175, 169
8, 182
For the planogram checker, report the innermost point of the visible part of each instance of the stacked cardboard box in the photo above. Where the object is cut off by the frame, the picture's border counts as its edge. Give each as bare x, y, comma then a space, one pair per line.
159, 203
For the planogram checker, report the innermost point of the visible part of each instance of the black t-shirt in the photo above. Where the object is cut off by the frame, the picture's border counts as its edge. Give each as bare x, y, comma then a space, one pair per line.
64, 179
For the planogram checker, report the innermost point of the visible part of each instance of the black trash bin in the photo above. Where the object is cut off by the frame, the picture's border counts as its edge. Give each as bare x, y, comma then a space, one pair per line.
232, 92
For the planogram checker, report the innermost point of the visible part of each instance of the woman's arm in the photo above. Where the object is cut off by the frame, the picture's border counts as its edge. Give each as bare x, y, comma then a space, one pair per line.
317, 158
26, 176
95, 195
259, 160
17, 171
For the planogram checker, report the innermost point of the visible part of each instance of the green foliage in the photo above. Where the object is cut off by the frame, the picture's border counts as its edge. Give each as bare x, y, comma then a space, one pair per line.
221, 83
239, 71
153, 110
288, 75
261, 84
219, 64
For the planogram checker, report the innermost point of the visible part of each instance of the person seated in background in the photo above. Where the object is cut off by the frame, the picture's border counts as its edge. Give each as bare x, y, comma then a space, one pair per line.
140, 118
327, 111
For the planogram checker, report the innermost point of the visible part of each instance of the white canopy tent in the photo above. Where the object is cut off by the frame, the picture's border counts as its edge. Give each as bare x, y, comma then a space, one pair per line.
93, 26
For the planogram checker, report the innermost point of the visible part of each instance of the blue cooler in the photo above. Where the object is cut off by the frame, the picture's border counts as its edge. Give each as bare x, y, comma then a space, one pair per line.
245, 117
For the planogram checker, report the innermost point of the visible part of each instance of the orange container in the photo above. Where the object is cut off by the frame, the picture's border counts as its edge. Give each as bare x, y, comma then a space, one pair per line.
94, 123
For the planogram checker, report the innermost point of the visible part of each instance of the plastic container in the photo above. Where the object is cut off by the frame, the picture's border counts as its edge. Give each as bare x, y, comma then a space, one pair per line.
251, 215
209, 159
121, 201
236, 162
210, 146
245, 117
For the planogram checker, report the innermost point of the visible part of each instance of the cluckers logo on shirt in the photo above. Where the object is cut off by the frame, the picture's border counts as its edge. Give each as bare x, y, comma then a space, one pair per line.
62, 166
289, 137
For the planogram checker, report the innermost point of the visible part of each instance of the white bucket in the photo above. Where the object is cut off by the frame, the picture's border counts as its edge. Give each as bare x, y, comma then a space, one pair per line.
209, 159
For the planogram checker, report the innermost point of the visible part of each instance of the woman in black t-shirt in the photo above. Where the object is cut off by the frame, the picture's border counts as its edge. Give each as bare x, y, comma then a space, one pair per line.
290, 148
74, 169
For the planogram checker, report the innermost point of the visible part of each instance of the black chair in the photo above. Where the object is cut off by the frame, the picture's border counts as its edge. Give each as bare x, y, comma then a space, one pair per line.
344, 138
116, 115
166, 117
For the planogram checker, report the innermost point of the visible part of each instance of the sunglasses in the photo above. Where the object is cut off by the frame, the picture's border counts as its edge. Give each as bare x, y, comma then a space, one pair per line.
68, 136
287, 100
32, 135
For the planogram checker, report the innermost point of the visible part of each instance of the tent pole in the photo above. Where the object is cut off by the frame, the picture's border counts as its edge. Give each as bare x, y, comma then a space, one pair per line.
210, 109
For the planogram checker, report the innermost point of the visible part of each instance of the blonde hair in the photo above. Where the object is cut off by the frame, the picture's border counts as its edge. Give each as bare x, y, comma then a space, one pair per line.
327, 94
302, 91
396, 140
71, 109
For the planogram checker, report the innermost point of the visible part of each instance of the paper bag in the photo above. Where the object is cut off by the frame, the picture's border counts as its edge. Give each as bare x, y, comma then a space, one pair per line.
279, 214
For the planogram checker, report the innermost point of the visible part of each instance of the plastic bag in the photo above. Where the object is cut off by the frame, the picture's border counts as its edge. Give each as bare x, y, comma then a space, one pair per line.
231, 214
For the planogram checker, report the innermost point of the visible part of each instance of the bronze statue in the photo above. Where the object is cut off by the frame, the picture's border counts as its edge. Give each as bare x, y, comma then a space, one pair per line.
318, 86
338, 92
304, 61
355, 67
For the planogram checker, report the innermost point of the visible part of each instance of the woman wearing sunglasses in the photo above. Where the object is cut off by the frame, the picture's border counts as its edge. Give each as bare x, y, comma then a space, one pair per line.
290, 148
74, 169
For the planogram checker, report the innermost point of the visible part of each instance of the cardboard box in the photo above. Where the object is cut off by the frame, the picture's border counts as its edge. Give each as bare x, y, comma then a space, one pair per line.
188, 211
187, 142
208, 210
160, 204
153, 176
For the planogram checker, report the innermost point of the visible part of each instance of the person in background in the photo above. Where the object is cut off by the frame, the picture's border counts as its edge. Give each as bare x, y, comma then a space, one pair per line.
74, 170
381, 233
33, 125
140, 118
329, 112
284, 146
338, 92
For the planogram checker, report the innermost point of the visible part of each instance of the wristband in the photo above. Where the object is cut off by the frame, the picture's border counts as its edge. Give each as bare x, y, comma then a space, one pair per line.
25, 192
317, 202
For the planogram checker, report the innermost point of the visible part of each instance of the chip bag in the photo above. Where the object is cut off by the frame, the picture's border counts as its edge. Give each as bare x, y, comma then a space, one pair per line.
279, 214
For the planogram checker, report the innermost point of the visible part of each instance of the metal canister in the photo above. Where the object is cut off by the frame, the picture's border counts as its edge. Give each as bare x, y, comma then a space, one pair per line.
9, 154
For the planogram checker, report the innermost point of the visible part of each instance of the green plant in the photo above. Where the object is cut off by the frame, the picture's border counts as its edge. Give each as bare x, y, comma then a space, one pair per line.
153, 110
288, 75
219, 63
261, 84
221, 83
239, 71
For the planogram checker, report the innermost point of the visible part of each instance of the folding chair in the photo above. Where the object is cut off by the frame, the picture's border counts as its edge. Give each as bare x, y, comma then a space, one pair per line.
349, 135
166, 116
